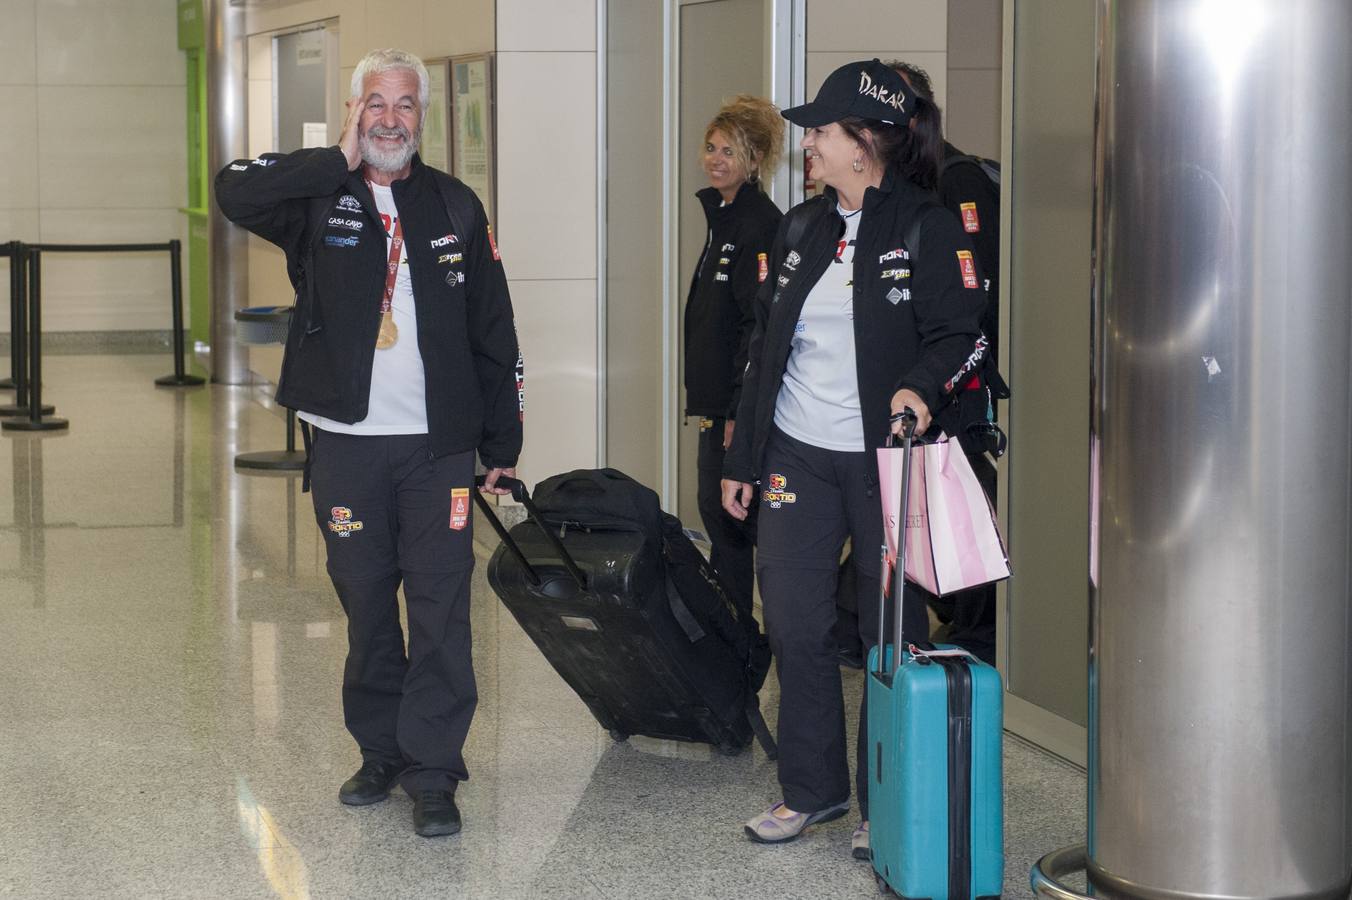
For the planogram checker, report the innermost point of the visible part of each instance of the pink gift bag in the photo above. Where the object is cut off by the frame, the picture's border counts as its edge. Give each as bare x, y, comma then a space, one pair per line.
952, 540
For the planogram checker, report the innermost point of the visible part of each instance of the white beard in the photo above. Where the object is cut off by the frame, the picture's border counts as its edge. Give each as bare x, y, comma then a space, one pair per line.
393, 160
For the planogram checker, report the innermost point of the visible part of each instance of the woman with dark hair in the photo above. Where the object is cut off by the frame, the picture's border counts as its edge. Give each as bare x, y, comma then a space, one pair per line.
872, 307
742, 142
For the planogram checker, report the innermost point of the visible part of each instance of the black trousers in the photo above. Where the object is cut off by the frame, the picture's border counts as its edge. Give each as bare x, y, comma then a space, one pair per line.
734, 543
811, 500
391, 514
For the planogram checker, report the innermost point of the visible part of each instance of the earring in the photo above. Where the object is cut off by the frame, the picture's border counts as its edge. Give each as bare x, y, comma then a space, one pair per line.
755, 176
858, 165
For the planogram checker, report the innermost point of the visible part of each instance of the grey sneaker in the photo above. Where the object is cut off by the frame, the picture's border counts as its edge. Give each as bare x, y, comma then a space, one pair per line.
768, 828
859, 845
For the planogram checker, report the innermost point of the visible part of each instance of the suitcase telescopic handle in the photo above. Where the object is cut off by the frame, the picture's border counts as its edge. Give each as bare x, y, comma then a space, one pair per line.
522, 496
908, 420
515, 485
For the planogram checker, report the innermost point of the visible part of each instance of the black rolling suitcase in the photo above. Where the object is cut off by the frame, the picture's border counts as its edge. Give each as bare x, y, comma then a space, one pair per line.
629, 613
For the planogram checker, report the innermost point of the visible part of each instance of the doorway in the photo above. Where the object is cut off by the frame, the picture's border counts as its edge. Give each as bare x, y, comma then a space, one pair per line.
722, 53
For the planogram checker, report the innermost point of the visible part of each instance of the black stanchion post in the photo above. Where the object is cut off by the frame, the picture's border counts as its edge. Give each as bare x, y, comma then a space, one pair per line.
36, 421
15, 276
18, 338
180, 378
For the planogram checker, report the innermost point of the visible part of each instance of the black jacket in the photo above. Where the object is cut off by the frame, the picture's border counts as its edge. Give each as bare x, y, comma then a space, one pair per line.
720, 311
913, 329
325, 219
964, 183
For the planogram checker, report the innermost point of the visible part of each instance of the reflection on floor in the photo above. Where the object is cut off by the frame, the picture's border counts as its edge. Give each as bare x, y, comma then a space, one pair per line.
170, 721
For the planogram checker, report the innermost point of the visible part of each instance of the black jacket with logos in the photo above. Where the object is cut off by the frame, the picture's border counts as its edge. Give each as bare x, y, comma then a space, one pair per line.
975, 200
914, 327
720, 311
325, 219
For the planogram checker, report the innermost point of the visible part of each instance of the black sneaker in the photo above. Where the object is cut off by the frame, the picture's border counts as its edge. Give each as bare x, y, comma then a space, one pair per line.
434, 813
371, 784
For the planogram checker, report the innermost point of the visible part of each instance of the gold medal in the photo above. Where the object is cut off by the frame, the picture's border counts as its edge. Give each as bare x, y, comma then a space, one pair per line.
389, 333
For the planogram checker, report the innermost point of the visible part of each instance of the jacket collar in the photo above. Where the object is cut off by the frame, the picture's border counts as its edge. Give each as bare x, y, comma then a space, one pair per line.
712, 200
873, 196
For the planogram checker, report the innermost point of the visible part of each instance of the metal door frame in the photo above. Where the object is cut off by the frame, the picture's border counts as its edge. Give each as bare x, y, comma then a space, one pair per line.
1048, 730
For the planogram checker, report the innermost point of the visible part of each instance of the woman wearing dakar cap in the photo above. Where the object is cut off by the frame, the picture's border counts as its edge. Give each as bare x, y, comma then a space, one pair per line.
742, 141
872, 306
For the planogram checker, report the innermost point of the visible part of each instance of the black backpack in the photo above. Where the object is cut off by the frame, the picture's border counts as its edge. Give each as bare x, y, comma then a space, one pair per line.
702, 605
971, 416
989, 167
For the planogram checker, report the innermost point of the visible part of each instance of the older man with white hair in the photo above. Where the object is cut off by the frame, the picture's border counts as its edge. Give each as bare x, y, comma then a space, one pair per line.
402, 362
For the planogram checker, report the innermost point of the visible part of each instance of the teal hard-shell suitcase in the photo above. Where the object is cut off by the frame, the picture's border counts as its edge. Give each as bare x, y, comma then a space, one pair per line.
936, 801
936, 806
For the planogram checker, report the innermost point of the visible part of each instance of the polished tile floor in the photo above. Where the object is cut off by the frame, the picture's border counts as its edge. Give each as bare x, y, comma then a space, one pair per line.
170, 654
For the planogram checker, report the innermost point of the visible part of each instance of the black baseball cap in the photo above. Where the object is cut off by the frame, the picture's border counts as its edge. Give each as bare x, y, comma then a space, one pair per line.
867, 89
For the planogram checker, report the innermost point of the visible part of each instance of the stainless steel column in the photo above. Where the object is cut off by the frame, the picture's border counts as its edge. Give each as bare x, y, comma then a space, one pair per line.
227, 132
1219, 677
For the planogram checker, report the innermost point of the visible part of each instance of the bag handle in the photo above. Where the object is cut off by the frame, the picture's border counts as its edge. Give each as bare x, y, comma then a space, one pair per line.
522, 496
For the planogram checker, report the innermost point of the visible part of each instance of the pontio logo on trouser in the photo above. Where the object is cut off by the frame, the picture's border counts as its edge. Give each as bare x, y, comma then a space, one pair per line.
776, 495
342, 524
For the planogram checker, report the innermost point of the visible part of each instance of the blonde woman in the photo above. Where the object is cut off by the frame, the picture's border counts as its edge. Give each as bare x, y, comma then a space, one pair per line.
741, 146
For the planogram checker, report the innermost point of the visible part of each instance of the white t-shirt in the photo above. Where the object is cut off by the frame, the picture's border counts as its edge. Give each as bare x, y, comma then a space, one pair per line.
818, 401
398, 400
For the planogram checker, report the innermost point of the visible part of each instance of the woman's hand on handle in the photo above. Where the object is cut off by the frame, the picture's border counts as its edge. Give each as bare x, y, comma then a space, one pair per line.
491, 480
907, 398
737, 498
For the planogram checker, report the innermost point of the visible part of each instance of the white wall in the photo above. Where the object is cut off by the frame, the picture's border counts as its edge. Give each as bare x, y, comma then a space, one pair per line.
972, 116
840, 31
94, 144
956, 41
547, 211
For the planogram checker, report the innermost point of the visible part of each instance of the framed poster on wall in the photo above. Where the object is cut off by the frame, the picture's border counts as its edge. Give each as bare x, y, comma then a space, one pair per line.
435, 148
472, 121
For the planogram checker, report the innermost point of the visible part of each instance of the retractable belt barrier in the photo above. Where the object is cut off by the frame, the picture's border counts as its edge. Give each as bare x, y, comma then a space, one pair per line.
25, 311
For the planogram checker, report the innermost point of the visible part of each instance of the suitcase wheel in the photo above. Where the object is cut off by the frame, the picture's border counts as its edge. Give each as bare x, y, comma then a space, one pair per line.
618, 736
882, 885
729, 749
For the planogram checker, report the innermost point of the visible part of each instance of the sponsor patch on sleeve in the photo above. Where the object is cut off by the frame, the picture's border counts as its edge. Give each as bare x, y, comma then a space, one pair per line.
967, 266
459, 508
762, 267
969, 218
520, 386
494, 244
